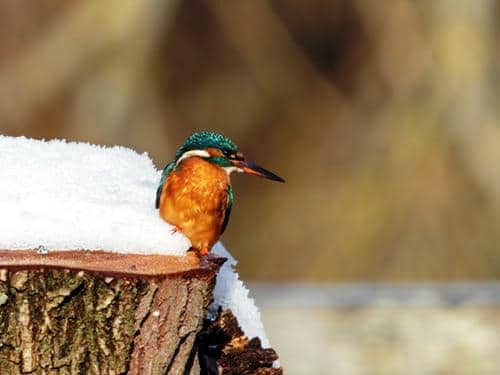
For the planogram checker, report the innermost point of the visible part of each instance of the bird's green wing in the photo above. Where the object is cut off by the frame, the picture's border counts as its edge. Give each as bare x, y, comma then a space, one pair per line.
228, 209
169, 168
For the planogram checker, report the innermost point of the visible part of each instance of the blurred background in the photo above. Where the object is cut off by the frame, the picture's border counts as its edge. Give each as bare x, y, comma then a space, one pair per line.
382, 116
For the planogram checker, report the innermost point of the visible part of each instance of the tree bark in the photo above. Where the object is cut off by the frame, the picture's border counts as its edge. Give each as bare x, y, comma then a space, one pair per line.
224, 349
91, 312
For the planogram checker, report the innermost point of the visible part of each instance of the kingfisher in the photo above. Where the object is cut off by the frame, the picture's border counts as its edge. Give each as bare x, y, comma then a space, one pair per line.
195, 193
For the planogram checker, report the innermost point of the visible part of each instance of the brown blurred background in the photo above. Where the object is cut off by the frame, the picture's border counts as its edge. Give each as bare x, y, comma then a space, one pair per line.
382, 116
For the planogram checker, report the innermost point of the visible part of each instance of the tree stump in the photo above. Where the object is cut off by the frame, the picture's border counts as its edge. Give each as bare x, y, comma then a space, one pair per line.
94, 312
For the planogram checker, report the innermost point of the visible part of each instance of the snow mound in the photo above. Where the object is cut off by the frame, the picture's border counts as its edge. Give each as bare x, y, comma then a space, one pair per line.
68, 196
231, 293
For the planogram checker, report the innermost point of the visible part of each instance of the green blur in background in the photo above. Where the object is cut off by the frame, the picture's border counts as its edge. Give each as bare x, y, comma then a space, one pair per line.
381, 115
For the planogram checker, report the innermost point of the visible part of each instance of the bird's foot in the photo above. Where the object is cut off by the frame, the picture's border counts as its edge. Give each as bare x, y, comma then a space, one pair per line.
175, 229
204, 251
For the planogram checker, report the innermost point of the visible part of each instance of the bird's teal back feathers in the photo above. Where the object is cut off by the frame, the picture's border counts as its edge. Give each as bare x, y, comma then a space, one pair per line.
169, 168
228, 209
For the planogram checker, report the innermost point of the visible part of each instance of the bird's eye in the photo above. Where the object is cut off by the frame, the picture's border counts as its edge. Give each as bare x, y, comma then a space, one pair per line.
232, 155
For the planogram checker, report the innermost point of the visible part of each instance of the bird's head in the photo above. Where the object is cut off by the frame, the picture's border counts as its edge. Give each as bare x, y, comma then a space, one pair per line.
219, 150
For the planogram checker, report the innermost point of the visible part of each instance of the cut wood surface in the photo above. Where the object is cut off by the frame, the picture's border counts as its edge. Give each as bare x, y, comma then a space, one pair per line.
87, 312
104, 261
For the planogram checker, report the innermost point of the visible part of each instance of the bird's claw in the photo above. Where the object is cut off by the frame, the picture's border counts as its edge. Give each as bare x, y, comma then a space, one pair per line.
204, 251
175, 229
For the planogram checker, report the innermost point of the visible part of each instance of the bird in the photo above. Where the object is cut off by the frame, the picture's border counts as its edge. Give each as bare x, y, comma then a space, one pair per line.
195, 194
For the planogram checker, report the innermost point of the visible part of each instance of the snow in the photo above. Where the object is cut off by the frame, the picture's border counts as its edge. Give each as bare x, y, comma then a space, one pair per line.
231, 293
70, 196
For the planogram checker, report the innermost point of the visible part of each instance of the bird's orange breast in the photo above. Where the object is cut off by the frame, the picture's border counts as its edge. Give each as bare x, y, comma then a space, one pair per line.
194, 198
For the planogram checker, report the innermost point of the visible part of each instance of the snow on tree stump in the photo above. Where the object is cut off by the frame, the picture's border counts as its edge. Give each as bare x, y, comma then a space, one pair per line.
95, 312
113, 311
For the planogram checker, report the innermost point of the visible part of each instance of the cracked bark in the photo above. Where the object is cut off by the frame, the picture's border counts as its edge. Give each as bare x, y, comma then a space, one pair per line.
223, 349
59, 315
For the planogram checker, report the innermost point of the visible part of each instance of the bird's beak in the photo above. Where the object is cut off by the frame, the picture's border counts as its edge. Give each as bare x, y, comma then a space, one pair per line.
250, 168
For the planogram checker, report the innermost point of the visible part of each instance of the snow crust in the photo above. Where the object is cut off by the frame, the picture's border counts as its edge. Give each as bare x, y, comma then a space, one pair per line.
60, 195
231, 293
67, 196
